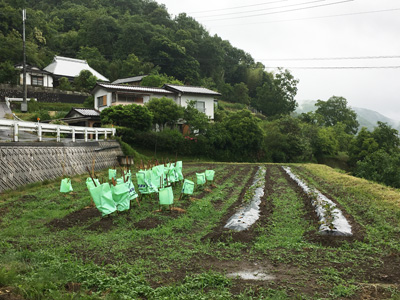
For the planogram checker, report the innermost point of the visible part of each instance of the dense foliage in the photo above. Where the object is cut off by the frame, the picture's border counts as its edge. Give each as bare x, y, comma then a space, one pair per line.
123, 38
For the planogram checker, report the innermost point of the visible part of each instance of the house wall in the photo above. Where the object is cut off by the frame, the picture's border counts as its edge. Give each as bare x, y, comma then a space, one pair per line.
209, 103
47, 80
103, 92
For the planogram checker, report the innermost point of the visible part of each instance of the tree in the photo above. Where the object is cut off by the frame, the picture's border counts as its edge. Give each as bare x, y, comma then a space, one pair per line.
276, 95
8, 73
386, 137
241, 93
335, 110
158, 80
133, 116
197, 121
285, 141
64, 84
165, 111
381, 167
245, 135
85, 81
363, 145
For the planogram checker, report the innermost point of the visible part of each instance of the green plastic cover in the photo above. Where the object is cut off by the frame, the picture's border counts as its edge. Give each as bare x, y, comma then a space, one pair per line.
178, 169
210, 175
140, 177
66, 186
112, 173
120, 194
166, 196
187, 187
157, 176
201, 178
132, 191
90, 184
171, 174
103, 199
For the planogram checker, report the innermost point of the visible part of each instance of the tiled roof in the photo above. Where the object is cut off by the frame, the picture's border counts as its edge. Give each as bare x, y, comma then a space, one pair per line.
131, 88
88, 112
71, 67
191, 89
129, 79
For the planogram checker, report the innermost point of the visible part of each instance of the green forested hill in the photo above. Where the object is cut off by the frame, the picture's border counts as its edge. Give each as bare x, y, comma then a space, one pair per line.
121, 38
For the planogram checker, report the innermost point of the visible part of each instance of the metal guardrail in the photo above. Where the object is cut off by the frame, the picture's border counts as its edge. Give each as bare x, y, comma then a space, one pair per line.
40, 128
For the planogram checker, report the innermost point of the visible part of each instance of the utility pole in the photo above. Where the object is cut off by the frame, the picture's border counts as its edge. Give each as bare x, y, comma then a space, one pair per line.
24, 104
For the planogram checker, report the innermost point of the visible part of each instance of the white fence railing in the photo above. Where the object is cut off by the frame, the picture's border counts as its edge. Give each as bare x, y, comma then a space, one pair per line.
40, 128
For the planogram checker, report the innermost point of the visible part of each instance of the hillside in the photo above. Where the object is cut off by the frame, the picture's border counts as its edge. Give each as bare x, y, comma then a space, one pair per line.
366, 117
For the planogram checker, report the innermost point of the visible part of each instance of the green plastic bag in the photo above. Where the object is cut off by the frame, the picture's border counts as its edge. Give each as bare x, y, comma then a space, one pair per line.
120, 194
166, 196
112, 173
150, 186
210, 175
66, 186
140, 177
178, 169
201, 178
157, 176
90, 184
103, 199
171, 174
187, 187
132, 191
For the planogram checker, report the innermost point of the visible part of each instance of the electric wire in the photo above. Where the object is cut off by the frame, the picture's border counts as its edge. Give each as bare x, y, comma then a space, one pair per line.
333, 68
264, 9
236, 7
313, 18
283, 11
329, 58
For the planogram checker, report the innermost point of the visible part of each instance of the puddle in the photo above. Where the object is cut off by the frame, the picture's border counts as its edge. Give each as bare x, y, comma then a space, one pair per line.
251, 275
326, 209
248, 215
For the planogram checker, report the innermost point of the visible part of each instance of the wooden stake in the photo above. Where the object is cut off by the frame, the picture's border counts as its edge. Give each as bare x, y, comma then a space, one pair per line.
94, 182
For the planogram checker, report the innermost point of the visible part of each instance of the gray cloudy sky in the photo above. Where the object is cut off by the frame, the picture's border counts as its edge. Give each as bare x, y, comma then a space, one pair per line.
366, 28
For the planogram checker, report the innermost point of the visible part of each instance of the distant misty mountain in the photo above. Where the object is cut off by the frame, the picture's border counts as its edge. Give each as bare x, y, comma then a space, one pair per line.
366, 117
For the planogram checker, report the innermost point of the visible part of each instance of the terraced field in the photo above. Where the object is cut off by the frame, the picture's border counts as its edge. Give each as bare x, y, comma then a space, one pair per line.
57, 246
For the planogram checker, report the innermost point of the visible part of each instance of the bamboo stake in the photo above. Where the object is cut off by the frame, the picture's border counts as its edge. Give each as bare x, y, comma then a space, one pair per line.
94, 182
93, 162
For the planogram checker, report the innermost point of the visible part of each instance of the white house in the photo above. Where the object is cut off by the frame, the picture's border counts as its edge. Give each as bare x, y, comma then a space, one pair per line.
203, 97
70, 68
106, 95
35, 76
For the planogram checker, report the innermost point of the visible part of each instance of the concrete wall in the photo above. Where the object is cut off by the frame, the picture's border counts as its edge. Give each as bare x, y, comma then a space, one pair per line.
25, 163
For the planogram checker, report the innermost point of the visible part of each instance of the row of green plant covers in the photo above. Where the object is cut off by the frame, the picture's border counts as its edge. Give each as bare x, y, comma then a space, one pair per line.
58, 246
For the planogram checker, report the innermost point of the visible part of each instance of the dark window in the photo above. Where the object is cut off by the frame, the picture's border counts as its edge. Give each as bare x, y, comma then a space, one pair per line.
37, 80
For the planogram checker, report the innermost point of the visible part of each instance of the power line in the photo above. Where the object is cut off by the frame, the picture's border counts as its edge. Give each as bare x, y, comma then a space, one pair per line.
236, 7
314, 18
330, 58
283, 11
270, 8
333, 68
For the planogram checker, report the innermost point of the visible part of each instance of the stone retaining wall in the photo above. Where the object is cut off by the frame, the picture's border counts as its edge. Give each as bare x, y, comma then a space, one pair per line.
42, 94
25, 163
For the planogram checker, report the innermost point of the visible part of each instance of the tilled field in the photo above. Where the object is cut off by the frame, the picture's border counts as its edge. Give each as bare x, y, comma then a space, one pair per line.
56, 245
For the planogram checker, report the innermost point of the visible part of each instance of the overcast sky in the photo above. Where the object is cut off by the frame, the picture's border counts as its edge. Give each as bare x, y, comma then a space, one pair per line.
307, 29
